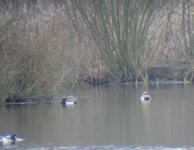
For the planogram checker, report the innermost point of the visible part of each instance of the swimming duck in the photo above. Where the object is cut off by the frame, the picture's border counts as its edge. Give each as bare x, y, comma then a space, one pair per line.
145, 97
69, 100
10, 139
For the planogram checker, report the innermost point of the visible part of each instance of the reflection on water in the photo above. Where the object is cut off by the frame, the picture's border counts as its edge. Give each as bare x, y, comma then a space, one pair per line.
109, 117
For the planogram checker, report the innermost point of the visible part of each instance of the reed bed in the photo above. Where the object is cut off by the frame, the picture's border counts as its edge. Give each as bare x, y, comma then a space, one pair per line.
40, 52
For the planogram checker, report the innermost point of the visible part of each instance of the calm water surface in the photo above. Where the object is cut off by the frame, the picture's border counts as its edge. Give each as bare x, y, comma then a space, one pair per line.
108, 117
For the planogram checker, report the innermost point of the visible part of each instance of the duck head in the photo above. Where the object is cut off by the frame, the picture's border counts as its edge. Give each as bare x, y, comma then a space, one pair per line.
13, 137
145, 93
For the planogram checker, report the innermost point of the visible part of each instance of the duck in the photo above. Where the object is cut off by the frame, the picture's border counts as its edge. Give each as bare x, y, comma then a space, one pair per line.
69, 100
10, 139
145, 97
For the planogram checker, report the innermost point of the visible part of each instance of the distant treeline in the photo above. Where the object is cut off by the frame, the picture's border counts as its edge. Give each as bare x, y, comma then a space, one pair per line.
51, 44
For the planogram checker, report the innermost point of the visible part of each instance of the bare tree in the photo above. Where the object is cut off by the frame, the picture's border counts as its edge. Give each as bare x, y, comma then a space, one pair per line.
119, 28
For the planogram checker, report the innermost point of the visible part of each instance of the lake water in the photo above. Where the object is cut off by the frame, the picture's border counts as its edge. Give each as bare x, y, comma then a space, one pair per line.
107, 117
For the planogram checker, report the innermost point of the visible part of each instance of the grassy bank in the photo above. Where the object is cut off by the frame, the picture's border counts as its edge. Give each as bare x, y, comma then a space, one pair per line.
45, 47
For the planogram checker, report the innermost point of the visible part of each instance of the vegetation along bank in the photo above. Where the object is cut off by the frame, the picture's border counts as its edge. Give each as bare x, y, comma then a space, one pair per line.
48, 45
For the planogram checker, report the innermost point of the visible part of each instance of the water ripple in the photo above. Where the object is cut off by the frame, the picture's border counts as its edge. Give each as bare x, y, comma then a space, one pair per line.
111, 147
